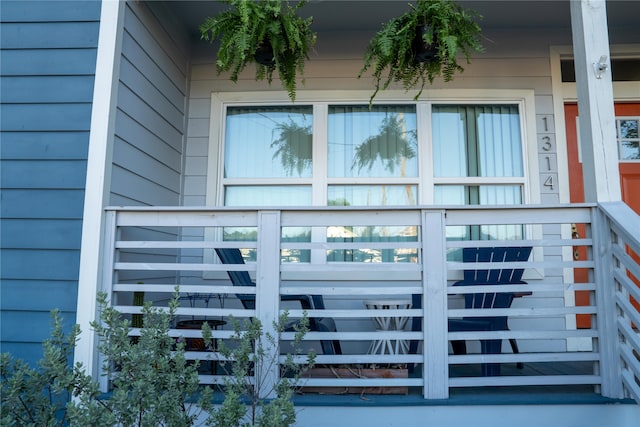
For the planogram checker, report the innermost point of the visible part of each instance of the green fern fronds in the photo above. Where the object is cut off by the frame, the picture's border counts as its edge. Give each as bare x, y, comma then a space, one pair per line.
390, 53
248, 25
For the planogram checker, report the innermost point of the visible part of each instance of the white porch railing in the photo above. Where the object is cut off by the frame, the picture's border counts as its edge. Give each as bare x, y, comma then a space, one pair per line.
619, 253
350, 256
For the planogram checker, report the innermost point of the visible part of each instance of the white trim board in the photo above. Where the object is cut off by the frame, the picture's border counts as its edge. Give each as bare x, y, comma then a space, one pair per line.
98, 178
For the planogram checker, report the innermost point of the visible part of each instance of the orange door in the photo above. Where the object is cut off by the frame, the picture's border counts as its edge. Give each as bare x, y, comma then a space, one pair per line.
629, 180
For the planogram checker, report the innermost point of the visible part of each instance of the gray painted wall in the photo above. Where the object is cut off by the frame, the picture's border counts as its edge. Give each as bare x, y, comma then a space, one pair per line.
150, 123
150, 119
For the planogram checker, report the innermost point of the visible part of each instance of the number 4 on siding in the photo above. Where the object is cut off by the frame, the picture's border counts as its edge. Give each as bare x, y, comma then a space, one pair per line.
549, 182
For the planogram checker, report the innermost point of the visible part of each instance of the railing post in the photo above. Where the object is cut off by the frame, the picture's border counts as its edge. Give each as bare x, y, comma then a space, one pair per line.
268, 298
434, 322
606, 313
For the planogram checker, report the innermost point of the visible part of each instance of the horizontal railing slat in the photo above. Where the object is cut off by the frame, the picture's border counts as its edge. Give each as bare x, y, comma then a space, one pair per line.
520, 312
141, 244
524, 334
351, 268
171, 266
184, 289
518, 215
524, 357
525, 380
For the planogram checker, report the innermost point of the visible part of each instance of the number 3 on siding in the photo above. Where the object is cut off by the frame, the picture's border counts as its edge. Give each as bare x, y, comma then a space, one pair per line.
549, 182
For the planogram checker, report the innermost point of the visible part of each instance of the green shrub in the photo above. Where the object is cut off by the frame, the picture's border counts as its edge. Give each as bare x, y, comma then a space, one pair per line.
250, 398
41, 396
152, 383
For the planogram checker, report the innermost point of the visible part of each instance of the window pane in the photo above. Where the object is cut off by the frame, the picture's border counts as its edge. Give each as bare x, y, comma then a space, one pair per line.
268, 142
628, 140
476, 140
376, 142
295, 234
371, 195
479, 195
373, 234
262, 195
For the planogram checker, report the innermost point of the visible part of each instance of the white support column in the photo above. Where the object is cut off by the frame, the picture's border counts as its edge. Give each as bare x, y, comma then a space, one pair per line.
98, 177
268, 296
108, 277
595, 101
606, 316
435, 324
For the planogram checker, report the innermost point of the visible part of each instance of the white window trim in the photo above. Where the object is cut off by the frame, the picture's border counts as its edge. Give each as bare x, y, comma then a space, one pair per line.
322, 99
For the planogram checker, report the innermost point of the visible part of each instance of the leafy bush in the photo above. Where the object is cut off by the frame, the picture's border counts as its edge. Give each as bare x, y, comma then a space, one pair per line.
248, 363
40, 396
152, 382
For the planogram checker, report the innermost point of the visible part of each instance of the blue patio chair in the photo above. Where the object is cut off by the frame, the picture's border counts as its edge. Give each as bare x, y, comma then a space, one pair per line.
308, 302
504, 276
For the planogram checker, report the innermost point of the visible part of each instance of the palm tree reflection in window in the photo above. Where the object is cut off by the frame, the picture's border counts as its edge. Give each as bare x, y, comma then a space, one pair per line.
294, 146
392, 146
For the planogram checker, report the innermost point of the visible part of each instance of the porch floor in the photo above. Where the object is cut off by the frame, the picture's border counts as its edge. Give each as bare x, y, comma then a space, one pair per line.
512, 395
488, 395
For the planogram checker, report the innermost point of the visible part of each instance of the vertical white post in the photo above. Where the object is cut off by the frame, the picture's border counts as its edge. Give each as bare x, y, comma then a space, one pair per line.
98, 177
106, 281
434, 325
606, 316
268, 297
595, 101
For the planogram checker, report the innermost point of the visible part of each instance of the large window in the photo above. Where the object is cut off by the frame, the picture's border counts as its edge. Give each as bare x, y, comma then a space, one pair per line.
362, 156
397, 154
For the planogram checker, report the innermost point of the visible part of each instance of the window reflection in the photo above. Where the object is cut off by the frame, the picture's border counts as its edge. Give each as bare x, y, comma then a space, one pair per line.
479, 195
477, 140
267, 195
371, 195
268, 142
628, 140
376, 142
373, 234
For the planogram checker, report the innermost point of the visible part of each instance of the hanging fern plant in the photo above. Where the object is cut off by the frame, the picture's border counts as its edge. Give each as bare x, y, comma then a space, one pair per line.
267, 32
422, 44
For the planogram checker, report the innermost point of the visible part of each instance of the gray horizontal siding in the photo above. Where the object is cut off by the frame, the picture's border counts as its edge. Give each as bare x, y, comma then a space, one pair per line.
47, 62
150, 118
